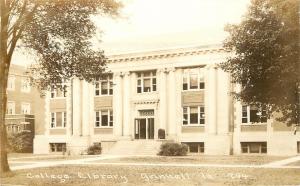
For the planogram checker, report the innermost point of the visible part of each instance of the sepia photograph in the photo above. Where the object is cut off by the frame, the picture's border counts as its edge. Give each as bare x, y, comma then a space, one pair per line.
150, 92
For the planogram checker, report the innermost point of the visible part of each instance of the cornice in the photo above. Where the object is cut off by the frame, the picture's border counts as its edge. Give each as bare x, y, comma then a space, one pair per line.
162, 54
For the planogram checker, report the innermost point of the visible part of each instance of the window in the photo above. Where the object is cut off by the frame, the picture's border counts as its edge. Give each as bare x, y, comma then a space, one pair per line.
25, 84
193, 79
11, 82
59, 91
58, 147
254, 147
58, 119
10, 108
146, 81
253, 114
25, 108
195, 147
104, 85
193, 115
104, 118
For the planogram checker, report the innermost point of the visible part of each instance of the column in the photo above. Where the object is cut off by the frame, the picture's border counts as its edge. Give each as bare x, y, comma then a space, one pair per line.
162, 99
171, 104
76, 102
69, 109
85, 102
47, 113
92, 115
179, 114
211, 100
126, 104
117, 104
223, 101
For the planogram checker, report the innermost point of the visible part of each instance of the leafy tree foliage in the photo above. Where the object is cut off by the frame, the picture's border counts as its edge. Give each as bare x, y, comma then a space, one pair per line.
60, 33
265, 60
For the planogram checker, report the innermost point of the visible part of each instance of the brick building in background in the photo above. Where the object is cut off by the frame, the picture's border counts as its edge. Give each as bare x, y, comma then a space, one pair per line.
25, 106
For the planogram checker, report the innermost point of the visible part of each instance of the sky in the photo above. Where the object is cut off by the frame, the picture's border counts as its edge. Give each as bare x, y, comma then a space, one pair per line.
159, 24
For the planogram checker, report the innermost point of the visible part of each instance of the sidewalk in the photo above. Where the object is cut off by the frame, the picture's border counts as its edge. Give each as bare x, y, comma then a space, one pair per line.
89, 161
283, 162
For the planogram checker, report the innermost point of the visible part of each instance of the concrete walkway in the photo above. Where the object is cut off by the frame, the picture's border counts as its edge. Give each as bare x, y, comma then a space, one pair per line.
91, 161
283, 162
40, 164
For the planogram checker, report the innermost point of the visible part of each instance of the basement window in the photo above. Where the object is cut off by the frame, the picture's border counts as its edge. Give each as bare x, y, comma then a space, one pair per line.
58, 147
254, 147
195, 147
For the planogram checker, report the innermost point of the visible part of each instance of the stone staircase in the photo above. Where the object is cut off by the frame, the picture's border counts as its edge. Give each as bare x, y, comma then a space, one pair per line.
136, 147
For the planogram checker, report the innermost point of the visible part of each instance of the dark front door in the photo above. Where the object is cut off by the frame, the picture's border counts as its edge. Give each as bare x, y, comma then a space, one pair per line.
150, 128
144, 128
140, 129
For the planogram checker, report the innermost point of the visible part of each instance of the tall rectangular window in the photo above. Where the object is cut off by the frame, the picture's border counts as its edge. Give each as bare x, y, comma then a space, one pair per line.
58, 119
146, 81
104, 118
25, 108
193, 79
104, 85
59, 91
193, 115
25, 84
254, 114
10, 107
185, 116
244, 114
11, 82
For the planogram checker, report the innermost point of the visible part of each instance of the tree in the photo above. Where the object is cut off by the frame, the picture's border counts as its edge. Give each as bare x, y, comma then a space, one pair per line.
60, 33
265, 61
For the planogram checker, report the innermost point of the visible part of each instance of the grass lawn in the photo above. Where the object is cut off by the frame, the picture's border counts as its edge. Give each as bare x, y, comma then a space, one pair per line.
249, 160
138, 175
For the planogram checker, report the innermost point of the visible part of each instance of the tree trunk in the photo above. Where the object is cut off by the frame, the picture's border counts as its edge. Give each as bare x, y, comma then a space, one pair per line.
3, 135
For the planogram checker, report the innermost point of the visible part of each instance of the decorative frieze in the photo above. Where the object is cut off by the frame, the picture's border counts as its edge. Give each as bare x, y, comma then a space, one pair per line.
166, 54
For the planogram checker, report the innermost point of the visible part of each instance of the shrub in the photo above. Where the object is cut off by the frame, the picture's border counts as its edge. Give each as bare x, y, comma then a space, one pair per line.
173, 149
21, 142
94, 149
161, 134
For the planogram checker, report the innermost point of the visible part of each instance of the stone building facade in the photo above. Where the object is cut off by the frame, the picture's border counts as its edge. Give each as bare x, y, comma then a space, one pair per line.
181, 91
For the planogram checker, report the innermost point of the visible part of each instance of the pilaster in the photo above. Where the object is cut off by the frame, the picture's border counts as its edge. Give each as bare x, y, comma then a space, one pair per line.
118, 104
126, 104
211, 100
171, 104
162, 98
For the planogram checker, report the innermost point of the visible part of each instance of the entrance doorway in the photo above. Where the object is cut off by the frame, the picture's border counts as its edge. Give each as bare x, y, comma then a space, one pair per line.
144, 128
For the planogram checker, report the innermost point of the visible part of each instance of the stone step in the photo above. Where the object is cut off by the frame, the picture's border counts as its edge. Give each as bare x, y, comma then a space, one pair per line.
136, 147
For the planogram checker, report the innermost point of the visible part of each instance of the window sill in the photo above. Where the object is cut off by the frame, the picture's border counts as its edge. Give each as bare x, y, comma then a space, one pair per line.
152, 92
103, 127
253, 124
57, 127
193, 90
198, 125
103, 96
